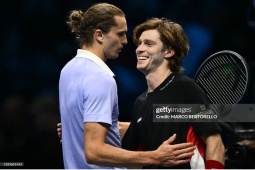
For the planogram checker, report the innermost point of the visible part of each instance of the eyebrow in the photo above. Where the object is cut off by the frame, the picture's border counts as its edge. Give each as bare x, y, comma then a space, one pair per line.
123, 32
146, 40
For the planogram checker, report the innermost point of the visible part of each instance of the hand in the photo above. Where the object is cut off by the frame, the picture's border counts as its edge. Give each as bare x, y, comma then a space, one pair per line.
172, 155
59, 130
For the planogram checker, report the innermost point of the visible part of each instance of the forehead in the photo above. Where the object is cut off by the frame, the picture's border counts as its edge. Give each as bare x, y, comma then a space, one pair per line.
121, 24
150, 35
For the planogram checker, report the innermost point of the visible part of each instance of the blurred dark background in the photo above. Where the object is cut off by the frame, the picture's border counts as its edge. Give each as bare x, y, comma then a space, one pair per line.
35, 43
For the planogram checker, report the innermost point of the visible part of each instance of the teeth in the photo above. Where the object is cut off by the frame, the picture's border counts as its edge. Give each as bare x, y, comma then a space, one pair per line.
142, 58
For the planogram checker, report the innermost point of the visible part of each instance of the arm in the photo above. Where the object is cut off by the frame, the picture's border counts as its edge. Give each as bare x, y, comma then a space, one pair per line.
100, 153
123, 126
215, 150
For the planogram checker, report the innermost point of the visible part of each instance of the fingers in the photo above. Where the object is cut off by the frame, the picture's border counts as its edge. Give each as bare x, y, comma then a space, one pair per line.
183, 145
171, 139
59, 134
59, 129
59, 125
184, 153
181, 156
183, 161
184, 150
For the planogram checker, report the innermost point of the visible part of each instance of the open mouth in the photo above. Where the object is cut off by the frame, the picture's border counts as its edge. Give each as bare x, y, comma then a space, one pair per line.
143, 58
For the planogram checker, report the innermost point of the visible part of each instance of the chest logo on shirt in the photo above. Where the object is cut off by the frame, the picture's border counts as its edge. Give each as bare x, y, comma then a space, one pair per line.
167, 83
139, 120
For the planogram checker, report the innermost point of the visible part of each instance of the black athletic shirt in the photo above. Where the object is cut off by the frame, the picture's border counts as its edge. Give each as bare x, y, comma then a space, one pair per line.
149, 135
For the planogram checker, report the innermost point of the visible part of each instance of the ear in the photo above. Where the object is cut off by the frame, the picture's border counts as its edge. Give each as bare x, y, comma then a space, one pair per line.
169, 53
98, 35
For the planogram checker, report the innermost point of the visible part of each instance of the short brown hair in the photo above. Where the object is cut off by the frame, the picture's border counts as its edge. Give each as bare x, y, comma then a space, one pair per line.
99, 16
171, 34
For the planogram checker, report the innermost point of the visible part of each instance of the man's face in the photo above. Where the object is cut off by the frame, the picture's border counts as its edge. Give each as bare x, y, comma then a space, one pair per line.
150, 52
115, 39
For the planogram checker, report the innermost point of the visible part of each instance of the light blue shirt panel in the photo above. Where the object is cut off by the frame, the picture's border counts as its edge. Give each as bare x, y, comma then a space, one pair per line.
99, 98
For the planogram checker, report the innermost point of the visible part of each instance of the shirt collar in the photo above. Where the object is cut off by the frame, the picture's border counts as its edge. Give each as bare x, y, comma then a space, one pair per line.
91, 56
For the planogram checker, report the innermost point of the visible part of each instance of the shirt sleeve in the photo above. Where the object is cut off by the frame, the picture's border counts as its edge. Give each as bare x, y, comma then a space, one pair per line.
130, 140
99, 99
207, 127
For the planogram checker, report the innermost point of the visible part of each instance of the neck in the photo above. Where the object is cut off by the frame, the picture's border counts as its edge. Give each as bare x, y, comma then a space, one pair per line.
154, 79
95, 50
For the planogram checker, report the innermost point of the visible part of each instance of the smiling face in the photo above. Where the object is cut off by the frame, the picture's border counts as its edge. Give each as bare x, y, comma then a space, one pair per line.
150, 52
158, 31
115, 39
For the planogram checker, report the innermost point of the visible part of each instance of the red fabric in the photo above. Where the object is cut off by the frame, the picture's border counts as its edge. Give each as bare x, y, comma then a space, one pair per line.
140, 148
197, 160
196, 140
212, 164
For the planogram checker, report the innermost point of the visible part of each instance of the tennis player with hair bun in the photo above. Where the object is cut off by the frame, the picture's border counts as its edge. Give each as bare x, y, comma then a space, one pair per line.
89, 103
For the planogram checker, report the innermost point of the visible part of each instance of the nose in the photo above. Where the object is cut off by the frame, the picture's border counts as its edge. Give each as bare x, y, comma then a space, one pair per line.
139, 49
124, 41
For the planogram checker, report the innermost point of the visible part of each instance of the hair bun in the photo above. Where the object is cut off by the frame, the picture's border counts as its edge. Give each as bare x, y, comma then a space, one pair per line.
75, 18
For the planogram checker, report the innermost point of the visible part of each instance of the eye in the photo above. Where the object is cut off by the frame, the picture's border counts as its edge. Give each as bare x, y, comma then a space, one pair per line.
148, 44
121, 34
138, 43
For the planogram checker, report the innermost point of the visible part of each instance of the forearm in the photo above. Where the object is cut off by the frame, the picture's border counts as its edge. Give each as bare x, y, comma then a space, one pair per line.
108, 155
123, 126
98, 152
215, 149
